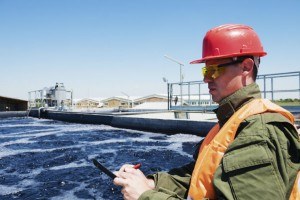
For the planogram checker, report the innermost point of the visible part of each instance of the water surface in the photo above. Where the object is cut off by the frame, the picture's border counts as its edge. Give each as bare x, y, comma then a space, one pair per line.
46, 159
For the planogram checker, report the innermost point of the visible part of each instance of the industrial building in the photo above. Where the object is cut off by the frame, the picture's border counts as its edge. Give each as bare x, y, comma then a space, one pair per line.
55, 97
151, 98
88, 103
117, 102
12, 104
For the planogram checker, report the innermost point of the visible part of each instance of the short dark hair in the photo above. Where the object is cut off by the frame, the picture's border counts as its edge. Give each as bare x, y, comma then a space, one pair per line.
255, 71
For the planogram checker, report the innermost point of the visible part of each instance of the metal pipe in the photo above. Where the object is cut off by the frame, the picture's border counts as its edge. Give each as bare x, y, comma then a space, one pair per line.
180, 66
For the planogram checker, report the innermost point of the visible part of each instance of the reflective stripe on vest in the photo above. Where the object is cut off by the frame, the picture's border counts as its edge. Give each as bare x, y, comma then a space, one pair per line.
295, 195
216, 143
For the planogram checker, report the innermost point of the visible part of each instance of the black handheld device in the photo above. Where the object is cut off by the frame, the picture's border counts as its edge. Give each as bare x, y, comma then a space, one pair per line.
104, 169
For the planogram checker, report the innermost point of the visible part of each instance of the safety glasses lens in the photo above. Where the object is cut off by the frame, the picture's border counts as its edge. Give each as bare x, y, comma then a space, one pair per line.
212, 71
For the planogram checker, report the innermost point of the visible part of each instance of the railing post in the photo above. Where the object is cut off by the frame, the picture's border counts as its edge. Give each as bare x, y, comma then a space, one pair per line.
189, 88
265, 94
199, 94
168, 96
299, 84
272, 92
171, 95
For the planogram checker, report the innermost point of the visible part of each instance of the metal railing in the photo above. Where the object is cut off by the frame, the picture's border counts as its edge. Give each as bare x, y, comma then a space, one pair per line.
195, 94
272, 77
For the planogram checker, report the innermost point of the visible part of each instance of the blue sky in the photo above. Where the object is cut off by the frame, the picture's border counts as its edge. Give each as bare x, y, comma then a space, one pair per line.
100, 48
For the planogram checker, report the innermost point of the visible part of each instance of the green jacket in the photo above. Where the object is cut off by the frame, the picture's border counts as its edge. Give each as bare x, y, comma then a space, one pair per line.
261, 163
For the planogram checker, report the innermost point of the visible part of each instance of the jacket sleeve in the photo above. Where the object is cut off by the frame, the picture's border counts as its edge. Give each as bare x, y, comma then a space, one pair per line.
262, 162
171, 185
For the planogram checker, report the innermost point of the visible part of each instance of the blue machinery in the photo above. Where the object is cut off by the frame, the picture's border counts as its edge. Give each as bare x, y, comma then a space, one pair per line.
195, 97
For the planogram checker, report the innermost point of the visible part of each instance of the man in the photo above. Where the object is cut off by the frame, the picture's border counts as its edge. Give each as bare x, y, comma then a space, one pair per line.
254, 150
176, 100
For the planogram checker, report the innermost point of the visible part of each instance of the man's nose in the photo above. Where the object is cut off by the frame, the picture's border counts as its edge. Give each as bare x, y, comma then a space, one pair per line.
207, 79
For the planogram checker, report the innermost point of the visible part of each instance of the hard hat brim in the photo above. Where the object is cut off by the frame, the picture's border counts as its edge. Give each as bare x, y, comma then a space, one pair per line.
203, 60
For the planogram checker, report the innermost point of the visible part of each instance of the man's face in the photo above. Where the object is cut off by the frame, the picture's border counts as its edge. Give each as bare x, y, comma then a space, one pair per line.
226, 80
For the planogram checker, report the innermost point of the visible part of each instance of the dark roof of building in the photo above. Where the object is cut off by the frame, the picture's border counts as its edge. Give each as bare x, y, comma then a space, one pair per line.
14, 99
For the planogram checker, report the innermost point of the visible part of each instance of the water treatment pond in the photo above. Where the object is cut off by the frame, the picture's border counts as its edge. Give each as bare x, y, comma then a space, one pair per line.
46, 159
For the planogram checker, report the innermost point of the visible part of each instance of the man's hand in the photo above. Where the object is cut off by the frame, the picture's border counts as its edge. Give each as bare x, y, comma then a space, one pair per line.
133, 181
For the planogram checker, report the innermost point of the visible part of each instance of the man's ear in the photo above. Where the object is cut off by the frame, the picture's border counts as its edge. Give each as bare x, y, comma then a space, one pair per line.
248, 65
247, 71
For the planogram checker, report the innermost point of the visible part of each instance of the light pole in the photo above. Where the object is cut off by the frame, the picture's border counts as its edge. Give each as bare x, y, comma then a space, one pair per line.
181, 77
169, 99
127, 98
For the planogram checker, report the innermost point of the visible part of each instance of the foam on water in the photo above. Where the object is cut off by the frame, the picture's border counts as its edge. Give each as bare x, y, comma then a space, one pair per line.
5, 190
19, 141
10, 152
52, 160
77, 164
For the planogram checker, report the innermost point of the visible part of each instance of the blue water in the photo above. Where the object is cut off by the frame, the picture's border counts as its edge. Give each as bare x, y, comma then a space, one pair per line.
293, 109
46, 159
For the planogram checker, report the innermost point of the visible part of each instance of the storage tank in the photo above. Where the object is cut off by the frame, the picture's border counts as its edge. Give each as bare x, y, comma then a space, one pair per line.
60, 94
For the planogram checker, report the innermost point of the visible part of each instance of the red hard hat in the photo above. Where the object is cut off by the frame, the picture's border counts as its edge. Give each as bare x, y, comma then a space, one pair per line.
230, 40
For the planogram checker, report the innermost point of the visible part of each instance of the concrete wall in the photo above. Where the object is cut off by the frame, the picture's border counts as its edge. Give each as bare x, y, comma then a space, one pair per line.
78, 117
163, 125
13, 114
144, 124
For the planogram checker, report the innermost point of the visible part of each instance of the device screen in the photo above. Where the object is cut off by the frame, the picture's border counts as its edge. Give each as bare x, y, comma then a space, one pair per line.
104, 169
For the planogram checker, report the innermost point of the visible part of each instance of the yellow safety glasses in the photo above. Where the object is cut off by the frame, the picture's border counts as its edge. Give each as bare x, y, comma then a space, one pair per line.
214, 71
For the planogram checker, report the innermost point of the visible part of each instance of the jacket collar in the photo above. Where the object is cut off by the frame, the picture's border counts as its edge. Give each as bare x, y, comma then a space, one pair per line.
232, 103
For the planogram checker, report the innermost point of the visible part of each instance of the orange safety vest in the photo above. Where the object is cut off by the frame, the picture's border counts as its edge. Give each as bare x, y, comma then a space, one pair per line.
216, 143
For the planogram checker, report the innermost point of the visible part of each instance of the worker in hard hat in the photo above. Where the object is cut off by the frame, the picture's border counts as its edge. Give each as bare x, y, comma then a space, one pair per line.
253, 152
